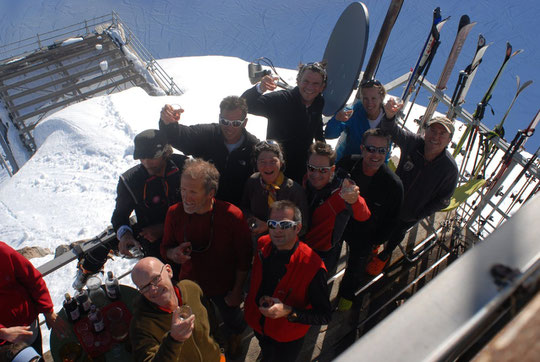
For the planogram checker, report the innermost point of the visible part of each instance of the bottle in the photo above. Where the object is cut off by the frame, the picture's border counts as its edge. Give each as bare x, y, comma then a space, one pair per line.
96, 293
96, 318
111, 287
83, 300
72, 308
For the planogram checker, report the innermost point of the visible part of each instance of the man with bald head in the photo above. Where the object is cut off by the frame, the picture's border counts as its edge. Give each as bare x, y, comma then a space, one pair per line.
159, 330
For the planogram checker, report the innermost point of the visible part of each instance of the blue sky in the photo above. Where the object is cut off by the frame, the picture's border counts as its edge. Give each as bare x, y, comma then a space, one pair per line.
292, 31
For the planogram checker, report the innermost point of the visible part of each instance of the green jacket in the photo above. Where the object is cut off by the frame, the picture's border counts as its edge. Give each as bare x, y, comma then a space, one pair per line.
149, 331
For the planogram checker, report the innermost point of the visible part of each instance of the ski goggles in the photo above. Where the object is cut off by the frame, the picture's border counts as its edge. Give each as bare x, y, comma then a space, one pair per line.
283, 224
370, 83
373, 149
226, 122
320, 169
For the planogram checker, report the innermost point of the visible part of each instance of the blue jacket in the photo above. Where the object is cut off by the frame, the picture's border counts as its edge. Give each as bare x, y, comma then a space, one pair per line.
353, 131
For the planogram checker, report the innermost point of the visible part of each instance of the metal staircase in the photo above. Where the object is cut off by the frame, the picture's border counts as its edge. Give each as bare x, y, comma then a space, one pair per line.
100, 56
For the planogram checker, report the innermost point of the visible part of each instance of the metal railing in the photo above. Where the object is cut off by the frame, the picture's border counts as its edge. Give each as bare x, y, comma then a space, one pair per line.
20, 49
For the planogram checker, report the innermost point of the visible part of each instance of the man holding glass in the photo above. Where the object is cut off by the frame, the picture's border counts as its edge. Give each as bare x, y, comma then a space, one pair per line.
227, 145
288, 291
170, 322
211, 240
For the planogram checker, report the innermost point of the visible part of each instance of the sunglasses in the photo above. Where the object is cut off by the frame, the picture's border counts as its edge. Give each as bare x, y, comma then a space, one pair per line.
227, 122
320, 169
283, 224
370, 83
373, 149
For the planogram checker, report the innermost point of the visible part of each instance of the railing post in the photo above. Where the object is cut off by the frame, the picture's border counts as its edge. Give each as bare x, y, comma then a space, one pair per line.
38, 41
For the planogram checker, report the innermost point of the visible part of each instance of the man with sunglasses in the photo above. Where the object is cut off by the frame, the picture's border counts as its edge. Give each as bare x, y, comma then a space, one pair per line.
148, 189
332, 201
212, 241
383, 192
288, 291
226, 144
160, 330
428, 172
294, 115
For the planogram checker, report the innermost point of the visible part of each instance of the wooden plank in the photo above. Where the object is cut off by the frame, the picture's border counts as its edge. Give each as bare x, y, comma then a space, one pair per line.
40, 53
70, 88
82, 48
74, 99
72, 77
58, 70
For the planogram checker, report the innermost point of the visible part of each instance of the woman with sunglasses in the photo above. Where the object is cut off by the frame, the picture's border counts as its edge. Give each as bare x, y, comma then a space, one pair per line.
267, 185
350, 124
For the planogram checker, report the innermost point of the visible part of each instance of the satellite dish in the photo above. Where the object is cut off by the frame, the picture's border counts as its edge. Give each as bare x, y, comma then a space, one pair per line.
344, 55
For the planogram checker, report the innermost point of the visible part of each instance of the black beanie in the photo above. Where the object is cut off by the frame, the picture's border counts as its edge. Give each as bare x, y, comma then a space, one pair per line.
149, 144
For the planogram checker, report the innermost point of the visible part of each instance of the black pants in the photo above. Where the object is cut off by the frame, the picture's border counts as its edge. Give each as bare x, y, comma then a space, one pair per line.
233, 318
274, 351
397, 235
359, 254
331, 258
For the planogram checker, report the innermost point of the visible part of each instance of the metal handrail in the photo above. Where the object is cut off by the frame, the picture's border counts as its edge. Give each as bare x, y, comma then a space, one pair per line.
28, 45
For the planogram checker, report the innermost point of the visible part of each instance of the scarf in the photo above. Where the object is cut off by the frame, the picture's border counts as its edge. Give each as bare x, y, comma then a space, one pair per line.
273, 188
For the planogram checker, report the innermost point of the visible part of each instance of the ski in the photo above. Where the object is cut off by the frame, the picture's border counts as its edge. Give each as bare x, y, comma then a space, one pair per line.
424, 61
518, 142
466, 77
470, 132
498, 131
515, 182
377, 52
501, 171
464, 28
517, 197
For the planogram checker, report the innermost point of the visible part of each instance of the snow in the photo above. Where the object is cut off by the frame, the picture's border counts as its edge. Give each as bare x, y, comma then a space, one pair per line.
66, 191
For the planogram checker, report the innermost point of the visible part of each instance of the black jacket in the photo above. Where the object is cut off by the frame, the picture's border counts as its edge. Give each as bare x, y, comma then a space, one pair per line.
149, 196
384, 196
428, 186
206, 141
290, 123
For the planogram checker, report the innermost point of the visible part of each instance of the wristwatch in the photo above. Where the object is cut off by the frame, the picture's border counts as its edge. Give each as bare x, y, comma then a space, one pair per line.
293, 316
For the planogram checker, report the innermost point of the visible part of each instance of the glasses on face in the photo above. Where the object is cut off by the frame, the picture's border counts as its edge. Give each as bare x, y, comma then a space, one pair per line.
283, 224
370, 83
320, 169
373, 149
153, 283
226, 122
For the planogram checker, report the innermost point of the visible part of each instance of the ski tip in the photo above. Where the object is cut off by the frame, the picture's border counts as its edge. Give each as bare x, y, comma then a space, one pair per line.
464, 20
519, 51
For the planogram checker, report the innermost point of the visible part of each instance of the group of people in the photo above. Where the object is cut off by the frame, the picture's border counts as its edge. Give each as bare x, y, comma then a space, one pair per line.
262, 222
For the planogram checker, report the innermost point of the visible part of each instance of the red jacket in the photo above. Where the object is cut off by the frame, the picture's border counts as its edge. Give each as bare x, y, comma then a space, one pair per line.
321, 236
23, 292
292, 290
226, 234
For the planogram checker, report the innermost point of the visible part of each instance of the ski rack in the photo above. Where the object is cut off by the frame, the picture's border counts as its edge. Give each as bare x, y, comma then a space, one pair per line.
455, 311
474, 215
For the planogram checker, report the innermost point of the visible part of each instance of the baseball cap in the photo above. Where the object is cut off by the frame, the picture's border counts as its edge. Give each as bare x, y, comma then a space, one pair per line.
443, 121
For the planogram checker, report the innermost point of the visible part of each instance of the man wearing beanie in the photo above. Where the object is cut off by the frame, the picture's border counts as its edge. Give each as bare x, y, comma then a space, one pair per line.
148, 189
